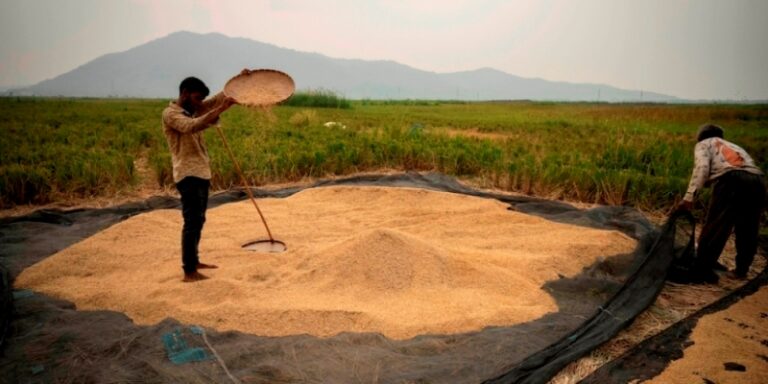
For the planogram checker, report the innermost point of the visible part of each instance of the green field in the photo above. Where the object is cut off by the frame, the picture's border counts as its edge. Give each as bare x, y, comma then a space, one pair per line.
634, 154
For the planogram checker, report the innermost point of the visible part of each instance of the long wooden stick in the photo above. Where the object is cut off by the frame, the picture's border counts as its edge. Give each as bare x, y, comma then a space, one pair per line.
243, 181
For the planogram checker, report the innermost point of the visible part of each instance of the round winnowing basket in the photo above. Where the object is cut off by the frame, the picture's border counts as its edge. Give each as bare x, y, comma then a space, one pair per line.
260, 87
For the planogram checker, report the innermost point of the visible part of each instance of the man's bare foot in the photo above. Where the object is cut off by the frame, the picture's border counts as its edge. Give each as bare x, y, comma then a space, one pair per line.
194, 276
206, 266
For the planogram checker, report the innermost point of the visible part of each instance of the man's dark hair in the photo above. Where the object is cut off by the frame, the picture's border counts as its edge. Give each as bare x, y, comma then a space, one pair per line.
193, 84
707, 131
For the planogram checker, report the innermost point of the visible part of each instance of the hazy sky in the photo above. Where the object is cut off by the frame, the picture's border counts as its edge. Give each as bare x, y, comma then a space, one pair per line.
713, 49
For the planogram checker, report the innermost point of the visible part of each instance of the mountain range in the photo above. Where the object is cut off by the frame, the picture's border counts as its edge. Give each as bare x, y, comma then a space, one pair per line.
154, 70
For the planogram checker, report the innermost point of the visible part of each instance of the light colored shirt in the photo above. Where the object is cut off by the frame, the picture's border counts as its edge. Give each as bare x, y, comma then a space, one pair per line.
184, 133
713, 158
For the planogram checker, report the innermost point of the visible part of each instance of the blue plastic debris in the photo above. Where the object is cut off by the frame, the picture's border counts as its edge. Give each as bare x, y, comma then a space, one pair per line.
179, 352
189, 355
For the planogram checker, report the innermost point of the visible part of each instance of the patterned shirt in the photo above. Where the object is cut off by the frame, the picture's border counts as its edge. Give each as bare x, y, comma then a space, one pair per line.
184, 133
715, 157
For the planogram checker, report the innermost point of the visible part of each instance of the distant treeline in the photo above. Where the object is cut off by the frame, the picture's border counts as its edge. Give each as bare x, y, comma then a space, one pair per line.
317, 99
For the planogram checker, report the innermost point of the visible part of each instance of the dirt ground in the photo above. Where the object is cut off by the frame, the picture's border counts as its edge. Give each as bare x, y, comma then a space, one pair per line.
730, 346
673, 306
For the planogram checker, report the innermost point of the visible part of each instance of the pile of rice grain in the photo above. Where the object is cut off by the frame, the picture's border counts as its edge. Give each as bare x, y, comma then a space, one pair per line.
398, 261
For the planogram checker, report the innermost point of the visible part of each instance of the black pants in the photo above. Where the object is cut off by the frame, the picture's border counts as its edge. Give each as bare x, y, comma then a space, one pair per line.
738, 200
194, 201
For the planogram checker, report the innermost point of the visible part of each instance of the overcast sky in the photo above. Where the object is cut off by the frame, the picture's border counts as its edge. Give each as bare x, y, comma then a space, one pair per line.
710, 49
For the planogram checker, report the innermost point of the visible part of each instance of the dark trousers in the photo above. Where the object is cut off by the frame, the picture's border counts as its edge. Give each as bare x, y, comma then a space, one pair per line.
194, 201
738, 200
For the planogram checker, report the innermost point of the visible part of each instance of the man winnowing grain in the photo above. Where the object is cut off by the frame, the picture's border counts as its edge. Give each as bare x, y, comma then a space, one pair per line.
184, 121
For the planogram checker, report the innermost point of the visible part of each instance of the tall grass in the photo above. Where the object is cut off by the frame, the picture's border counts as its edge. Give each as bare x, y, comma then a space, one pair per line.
53, 148
639, 155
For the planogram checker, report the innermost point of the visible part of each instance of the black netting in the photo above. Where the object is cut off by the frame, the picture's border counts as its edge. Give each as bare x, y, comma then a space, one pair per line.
608, 294
638, 292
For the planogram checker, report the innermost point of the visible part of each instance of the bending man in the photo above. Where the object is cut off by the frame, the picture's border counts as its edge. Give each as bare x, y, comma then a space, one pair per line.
738, 200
